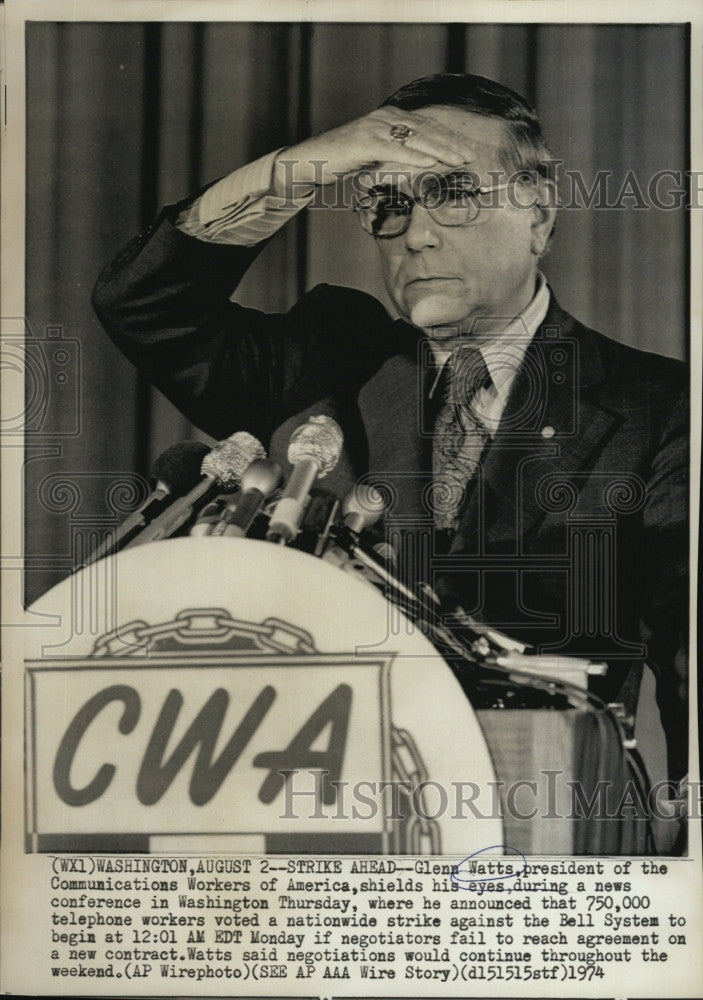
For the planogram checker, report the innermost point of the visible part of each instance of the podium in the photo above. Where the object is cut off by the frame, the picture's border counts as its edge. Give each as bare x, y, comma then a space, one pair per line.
223, 694
229, 695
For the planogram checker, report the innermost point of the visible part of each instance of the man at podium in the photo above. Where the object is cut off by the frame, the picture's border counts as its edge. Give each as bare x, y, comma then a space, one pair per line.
546, 464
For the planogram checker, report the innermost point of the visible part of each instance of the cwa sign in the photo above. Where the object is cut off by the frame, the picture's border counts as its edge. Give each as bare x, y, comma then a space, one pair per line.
129, 754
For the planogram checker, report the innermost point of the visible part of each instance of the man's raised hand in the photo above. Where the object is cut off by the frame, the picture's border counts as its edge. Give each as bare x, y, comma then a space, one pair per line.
365, 143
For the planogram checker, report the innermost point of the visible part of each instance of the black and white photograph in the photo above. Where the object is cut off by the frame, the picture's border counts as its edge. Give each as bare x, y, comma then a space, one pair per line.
350, 439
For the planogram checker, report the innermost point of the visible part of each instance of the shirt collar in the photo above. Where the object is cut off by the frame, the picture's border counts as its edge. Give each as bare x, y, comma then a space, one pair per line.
504, 352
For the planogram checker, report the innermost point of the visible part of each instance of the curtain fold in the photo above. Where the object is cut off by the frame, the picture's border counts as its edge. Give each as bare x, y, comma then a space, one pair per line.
124, 117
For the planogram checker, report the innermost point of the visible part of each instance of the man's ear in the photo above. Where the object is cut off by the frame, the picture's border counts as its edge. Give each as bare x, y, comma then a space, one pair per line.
544, 212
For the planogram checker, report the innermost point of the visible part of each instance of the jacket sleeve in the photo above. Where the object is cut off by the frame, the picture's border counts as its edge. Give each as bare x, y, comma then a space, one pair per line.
165, 302
665, 541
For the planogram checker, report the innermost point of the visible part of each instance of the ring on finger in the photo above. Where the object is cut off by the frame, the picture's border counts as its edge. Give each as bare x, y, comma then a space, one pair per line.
401, 133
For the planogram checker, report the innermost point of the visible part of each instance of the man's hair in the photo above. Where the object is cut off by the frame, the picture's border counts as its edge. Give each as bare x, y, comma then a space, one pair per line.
525, 149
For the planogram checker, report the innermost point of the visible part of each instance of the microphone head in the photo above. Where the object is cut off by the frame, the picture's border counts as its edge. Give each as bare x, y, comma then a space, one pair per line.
262, 475
228, 460
319, 439
178, 468
365, 503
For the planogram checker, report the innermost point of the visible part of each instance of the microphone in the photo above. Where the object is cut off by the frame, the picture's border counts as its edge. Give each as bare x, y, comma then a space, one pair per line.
260, 479
313, 451
362, 507
318, 518
208, 517
173, 473
221, 471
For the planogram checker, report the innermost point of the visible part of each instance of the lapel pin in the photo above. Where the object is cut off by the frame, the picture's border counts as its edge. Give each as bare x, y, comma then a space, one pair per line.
547, 432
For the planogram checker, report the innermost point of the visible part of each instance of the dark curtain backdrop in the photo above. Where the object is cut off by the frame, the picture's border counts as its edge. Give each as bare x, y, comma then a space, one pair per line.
124, 117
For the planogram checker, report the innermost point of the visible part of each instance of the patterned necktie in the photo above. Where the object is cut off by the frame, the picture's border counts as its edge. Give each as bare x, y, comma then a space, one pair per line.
459, 435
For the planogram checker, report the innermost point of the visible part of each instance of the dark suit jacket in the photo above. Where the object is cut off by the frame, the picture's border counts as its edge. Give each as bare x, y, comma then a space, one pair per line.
572, 537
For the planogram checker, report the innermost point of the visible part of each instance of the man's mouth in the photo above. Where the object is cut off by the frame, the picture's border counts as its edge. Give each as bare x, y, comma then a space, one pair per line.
429, 280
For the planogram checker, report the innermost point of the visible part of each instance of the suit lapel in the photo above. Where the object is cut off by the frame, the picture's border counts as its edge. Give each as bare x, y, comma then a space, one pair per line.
549, 428
390, 404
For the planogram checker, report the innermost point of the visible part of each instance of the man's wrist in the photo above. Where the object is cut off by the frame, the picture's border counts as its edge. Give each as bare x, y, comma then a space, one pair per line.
293, 179
242, 208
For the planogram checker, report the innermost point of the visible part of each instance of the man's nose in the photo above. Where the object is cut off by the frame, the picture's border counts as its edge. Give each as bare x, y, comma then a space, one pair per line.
423, 231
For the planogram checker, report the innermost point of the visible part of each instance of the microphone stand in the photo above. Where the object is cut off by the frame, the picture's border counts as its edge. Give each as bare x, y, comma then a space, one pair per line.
496, 654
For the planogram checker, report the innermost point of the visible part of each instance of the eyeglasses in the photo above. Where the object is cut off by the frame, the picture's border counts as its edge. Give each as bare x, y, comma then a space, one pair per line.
385, 211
